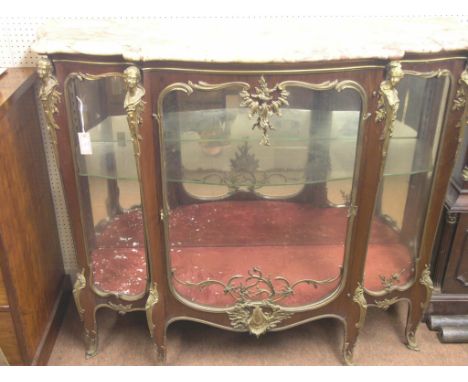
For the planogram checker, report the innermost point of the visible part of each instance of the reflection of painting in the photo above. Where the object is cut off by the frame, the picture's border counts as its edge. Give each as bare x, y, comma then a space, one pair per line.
304, 150
244, 174
212, 139
244, 160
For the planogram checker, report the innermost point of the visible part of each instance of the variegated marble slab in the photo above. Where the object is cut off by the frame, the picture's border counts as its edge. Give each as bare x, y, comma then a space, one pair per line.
255, 39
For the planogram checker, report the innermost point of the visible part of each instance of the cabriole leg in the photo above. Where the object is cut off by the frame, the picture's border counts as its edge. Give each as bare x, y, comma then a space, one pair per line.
414, 316
156, 323
90, 333
87, 313
160, 342
416, 310
350, 338
353, 325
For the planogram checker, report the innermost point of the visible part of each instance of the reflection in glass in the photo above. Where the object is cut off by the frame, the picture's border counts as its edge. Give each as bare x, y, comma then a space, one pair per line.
108, 185
404, 191
255, 222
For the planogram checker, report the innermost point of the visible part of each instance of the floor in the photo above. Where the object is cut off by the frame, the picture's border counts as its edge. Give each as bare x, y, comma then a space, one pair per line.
125, 340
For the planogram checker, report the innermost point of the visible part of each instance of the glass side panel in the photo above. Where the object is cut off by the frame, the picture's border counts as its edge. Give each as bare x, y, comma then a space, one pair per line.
111, 146
255, 222
108, 186
405, 189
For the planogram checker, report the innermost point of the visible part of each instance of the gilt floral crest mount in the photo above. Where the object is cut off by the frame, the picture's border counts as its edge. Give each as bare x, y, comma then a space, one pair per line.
264, 103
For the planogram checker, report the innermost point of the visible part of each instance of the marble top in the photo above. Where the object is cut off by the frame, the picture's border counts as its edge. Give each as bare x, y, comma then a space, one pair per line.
255, 39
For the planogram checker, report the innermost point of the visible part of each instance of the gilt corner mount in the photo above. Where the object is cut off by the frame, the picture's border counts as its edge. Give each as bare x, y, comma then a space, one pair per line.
134, 105
49, 97
388, 101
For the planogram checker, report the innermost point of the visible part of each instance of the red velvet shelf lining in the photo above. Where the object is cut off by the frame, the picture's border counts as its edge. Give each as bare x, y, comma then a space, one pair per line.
119, 260
218, 240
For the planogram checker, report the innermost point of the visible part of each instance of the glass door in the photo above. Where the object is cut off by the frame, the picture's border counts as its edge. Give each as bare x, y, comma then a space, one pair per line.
259, 185
108, 184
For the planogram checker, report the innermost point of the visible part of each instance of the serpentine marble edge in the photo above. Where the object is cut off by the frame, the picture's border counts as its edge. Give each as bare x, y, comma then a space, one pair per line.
254, 39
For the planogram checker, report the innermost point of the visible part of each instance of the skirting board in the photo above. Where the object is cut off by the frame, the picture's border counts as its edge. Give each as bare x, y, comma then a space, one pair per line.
53, 326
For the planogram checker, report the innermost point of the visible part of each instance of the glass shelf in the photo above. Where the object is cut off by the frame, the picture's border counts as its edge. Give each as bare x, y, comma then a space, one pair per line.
286, 162
223, 179
111, 129
254, 140
408, 173
109, 160
112, 151
289, 182
245, 184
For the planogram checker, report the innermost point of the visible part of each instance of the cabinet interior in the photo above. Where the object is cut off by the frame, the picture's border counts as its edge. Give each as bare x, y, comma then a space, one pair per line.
246, 217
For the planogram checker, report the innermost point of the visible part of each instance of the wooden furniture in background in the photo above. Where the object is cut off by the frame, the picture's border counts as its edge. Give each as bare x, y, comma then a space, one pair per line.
448, 310
32, 279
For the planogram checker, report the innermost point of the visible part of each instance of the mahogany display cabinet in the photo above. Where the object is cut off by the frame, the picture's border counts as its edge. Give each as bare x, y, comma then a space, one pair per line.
258, 196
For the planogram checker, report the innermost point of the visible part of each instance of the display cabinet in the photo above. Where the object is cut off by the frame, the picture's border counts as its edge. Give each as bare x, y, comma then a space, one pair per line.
255, 195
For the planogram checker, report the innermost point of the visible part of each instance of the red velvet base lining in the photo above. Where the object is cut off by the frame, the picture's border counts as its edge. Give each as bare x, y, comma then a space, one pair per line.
221, 239
119, 260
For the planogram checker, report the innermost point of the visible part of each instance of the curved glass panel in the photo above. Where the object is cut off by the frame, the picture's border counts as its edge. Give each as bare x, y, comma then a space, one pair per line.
108, 185
405, 189
250, 222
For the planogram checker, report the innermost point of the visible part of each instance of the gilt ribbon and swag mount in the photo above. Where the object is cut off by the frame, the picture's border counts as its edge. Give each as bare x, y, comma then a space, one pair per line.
250, 313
